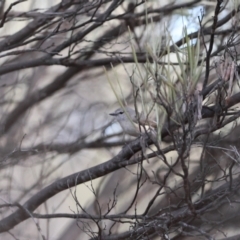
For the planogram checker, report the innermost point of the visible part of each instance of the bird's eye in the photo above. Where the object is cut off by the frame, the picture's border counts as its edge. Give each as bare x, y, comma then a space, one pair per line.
121, 112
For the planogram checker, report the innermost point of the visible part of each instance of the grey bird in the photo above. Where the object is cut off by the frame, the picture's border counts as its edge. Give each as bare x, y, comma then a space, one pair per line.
127, 118
130, 123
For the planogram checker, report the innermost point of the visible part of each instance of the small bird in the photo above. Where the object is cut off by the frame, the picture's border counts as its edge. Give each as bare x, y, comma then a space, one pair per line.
126, 118
128, 121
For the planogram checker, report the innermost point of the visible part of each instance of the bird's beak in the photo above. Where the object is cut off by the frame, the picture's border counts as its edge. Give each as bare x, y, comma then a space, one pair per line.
113, 114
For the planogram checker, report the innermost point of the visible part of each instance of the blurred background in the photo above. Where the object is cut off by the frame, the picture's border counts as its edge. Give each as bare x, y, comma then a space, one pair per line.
65, 65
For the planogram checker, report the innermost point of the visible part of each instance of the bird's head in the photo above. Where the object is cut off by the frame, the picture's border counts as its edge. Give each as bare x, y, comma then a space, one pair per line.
124, 114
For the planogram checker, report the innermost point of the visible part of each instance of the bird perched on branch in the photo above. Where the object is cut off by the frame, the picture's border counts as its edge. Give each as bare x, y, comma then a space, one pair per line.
128, 121
134, 125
